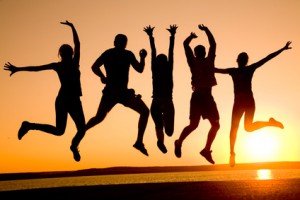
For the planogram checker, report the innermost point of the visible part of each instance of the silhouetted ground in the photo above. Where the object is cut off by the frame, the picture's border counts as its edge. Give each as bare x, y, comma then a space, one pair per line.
288, 189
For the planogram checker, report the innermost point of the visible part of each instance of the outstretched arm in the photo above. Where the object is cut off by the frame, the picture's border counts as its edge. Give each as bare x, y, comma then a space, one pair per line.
76, 41
221, 71
172, 31
272, 55
149, 31
13, 69
211, 39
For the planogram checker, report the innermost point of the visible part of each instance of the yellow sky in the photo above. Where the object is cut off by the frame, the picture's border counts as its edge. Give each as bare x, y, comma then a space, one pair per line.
31, 34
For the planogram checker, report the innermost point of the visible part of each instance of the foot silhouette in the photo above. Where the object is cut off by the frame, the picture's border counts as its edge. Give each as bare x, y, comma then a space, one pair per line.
140, 146
207, 155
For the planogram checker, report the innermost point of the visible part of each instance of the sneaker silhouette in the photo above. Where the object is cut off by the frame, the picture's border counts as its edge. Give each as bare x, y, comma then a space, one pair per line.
140, 146
76, 154
207, 155
162, 147
23, 130
177, 149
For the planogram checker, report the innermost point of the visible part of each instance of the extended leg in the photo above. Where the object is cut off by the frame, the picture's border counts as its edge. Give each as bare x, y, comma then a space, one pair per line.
206, 152
78, 116
157, 116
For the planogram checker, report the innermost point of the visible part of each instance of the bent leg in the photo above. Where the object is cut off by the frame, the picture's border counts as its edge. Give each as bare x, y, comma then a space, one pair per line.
138, 105
61, 121
185, 132
253, 126
188, 129
206, 152
194, 122
106, 104
215, 126
195, 114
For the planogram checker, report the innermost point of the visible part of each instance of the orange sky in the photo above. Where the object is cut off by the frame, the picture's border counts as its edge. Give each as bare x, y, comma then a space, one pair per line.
31, 34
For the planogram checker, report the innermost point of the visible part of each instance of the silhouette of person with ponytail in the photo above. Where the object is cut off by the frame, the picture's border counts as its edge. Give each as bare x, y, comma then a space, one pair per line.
68, 99
244, 103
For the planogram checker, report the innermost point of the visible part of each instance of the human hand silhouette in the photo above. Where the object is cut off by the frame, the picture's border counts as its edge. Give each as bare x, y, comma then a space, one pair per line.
287, 45
193, 35
67, 23
13, 69
172, 29
143, 53
202, 27
149, 30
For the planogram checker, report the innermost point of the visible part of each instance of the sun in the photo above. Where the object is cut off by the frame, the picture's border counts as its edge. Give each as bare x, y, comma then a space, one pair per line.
262, 146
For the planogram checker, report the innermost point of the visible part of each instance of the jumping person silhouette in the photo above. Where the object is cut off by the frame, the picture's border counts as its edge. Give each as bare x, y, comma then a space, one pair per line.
162, 107
244, 103
202, 103
117, 62
68, 98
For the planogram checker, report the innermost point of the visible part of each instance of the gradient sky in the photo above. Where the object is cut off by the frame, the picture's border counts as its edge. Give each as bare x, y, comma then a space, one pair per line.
31, 34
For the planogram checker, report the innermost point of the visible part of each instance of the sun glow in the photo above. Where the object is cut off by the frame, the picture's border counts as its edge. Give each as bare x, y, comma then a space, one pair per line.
264, 174
262, 146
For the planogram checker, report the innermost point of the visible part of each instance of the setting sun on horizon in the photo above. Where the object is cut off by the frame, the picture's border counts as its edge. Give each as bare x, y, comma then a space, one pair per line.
32, 34
262, 146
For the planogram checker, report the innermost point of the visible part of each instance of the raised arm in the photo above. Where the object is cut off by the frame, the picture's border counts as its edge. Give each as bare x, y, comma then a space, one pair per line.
172, 31
13, 69
272, 55
149, 31
187, 49
76, 41
211, 39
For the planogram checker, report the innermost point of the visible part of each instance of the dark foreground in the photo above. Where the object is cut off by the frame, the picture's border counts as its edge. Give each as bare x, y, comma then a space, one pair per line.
252, 189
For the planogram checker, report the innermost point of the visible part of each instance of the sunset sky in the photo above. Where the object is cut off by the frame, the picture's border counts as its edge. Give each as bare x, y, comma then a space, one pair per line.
31, 34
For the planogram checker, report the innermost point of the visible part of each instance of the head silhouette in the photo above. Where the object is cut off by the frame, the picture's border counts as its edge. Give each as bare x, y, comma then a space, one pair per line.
120, 41
161, 59
200, 51
242, 59
65, 52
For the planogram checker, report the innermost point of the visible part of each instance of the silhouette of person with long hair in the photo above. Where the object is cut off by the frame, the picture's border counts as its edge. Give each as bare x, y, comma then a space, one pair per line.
68, 98
162, 107
117, 62
202, 103
244, 103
